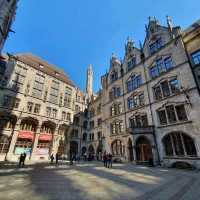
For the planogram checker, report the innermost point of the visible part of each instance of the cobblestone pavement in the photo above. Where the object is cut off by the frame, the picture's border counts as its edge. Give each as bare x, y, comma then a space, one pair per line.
91, 181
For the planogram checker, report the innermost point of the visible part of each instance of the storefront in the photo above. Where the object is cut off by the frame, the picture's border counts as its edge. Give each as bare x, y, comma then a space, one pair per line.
44, 145
24, 143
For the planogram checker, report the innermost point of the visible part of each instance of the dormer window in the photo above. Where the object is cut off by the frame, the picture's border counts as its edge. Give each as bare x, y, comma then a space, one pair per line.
131, 63
154, 47
113, 76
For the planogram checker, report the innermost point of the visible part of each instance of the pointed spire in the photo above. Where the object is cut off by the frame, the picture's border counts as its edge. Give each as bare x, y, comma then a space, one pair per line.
141, 46
169, 23
89, 84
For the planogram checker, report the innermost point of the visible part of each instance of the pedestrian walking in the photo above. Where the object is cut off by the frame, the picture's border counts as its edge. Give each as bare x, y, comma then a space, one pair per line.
52, 158
109, 160
57, 157
105, 159
20, 159
23, 159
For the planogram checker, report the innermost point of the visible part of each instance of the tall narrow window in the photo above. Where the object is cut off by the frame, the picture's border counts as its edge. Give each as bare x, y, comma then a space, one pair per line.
171, 114
181, 113
165, 88
174, 86
162, 117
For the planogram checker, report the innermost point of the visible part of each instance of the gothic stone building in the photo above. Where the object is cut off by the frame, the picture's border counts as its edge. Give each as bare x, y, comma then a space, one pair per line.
150, 105
7, 14
38, 103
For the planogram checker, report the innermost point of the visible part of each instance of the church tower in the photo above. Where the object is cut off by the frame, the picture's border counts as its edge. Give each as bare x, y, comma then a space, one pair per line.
89, 84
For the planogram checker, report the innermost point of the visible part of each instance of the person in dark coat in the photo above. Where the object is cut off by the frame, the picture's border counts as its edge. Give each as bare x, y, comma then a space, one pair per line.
109, 160
105, 159
20, 159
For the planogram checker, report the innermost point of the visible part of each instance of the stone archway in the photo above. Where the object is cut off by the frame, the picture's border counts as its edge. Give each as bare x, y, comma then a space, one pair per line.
130, 150
143, 150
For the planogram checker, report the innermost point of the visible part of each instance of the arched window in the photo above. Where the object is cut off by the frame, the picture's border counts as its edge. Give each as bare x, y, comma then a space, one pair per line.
179, 144
117, 148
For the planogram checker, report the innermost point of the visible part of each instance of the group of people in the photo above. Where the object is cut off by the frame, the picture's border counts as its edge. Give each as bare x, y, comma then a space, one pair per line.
52, 158
22, 159
107, 160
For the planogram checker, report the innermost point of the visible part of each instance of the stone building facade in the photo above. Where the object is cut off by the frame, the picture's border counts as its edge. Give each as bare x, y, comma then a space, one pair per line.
38, 104
7, 15
150, 105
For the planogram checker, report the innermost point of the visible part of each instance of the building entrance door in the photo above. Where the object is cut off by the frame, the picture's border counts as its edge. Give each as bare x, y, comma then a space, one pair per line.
143, 150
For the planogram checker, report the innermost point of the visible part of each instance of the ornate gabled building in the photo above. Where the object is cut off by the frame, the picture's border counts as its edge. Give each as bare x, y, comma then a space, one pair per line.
150, 100
7, 15
148, 107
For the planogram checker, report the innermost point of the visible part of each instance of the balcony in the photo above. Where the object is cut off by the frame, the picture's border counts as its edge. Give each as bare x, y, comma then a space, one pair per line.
141, 130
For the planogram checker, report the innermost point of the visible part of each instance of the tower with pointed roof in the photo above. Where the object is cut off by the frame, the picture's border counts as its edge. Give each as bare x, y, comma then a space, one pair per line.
89, 83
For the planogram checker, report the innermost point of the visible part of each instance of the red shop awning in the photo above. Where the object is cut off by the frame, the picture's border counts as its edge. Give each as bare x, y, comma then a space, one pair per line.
45, 137
26, 135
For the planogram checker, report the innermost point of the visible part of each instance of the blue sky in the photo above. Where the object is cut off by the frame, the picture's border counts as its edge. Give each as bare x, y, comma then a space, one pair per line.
72, 34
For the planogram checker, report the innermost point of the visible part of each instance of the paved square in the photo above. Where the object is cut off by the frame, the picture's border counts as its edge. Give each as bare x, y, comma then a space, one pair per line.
91, 181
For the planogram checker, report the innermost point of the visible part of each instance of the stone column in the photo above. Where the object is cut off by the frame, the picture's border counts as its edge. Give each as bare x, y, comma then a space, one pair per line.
55, 141
35, 143
10, 155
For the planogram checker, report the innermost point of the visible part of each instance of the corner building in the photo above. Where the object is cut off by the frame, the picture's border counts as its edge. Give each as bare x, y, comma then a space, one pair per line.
38, 103
150, 100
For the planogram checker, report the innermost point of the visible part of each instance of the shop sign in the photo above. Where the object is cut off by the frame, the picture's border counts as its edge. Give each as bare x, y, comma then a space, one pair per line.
42, 151
20, 150
45, 137
26, 135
